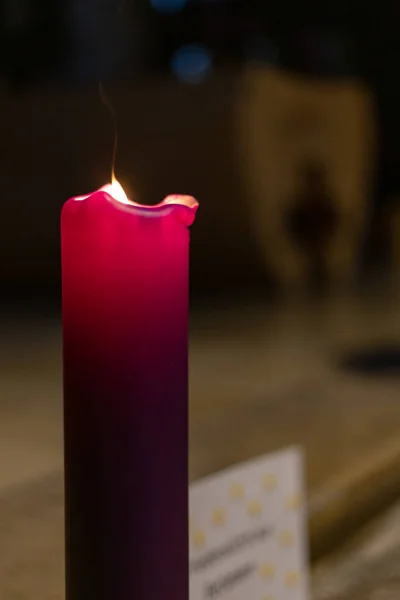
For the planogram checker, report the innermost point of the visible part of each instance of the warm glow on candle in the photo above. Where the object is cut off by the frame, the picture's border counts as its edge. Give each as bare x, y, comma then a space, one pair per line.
116, 191
176, 202
113, 189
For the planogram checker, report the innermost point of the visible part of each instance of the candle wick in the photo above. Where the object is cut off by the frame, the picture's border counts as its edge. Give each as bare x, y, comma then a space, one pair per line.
106, 102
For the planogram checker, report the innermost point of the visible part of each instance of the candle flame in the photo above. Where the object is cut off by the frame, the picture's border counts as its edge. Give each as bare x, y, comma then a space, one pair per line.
116, 190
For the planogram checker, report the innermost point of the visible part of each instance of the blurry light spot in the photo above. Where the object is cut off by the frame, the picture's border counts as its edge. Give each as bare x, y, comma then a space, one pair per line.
292, 578
286, 538
267, 571
192, 63
254, 509
219, 517
168, 5
237, 491
269, 482
199, 539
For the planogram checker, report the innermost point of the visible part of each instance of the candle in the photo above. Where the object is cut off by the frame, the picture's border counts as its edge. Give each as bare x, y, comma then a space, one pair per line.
125, 312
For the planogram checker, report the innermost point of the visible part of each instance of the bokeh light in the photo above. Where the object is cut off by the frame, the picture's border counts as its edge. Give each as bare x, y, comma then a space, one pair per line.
168, 6
192, 63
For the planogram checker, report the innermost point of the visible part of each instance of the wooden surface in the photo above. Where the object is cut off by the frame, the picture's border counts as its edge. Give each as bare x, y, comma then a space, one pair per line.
367, 568
260, 379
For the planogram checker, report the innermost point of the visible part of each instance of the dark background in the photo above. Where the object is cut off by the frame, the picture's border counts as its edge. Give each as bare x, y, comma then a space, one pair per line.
57, 137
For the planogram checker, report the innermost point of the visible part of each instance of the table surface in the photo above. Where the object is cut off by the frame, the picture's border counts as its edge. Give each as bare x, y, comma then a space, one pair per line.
260, 379
367, 567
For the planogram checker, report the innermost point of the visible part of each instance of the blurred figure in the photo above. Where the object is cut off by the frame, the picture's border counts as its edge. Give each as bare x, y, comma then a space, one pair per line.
311, 222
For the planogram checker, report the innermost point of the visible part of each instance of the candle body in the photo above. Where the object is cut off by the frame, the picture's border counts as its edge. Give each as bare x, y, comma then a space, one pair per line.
125, 312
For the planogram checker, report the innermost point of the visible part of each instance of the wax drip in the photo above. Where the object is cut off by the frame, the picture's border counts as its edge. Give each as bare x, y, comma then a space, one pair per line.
106, 102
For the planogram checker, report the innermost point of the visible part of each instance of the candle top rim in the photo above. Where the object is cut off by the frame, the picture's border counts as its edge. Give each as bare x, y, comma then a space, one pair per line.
172, 199
185, 204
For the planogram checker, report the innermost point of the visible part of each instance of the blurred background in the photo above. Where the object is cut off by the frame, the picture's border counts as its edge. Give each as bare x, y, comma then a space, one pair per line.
232, 101
283, 122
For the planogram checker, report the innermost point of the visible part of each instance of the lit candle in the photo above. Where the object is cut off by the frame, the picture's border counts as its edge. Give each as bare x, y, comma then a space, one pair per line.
125, 313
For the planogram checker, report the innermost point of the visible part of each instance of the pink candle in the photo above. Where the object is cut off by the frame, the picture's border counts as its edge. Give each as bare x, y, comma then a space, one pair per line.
125, 319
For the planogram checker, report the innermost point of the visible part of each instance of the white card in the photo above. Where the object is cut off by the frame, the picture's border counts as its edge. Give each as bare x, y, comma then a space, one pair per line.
248, 535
